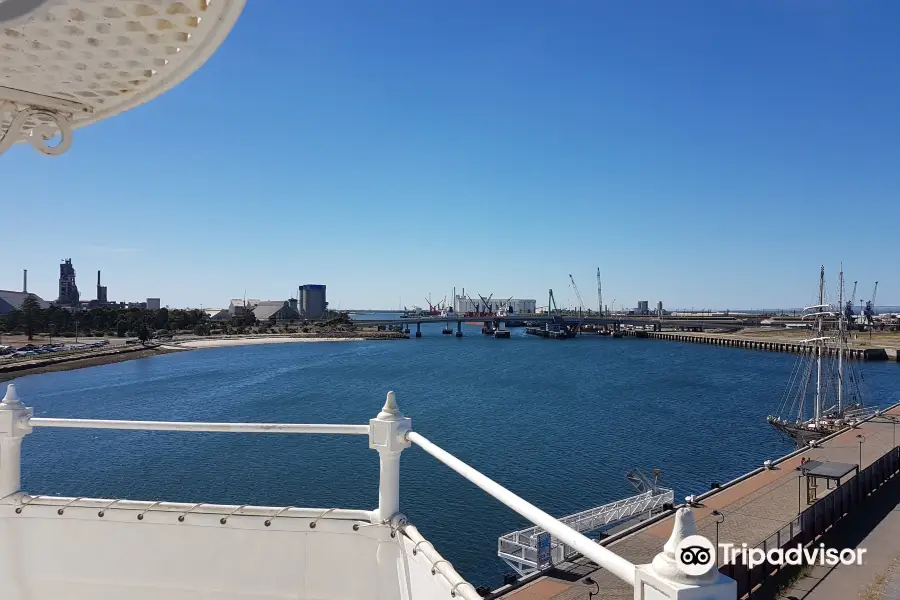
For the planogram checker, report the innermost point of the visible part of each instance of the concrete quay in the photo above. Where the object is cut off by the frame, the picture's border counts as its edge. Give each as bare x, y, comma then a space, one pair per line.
757, 506
768, 345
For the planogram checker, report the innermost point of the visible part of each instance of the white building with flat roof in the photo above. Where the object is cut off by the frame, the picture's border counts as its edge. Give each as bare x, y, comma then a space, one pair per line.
464, 304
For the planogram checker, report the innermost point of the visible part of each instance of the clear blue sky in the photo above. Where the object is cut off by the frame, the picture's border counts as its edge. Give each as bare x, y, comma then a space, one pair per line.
707, 154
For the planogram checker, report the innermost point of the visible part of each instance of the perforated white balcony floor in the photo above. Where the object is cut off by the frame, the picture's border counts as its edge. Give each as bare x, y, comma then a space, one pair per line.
87, 60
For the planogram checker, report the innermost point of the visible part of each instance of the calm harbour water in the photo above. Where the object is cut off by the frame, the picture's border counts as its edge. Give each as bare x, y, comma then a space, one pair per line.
558, 422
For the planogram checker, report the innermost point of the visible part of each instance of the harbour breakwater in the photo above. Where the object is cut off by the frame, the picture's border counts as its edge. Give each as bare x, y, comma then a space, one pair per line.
873, 354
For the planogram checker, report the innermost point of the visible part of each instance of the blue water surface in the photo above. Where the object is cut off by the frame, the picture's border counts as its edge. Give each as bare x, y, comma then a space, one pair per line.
558, 422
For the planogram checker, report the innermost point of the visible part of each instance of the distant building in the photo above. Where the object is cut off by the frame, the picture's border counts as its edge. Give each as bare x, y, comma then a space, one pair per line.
237, 307
463, 304
10, 301
68, 291
643, 308
101, 291
270, 311
217, 314
659, 308
312, 301
152, 303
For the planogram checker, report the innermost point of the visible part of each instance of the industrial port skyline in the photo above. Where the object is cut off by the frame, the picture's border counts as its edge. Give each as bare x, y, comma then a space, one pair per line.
570, 295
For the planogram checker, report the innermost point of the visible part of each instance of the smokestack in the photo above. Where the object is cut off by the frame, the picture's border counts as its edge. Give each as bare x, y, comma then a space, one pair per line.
98, 278
25, 281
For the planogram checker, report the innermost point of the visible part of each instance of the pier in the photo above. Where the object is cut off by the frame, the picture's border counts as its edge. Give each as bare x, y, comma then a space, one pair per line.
731, 341
778, 504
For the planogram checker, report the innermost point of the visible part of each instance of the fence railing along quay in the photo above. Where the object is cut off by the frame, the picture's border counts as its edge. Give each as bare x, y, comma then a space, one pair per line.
846, 499
389, 433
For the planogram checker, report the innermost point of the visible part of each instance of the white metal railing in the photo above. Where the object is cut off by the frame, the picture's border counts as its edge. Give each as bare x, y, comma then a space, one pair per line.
389, 434
323, 428
615, 564
519, 549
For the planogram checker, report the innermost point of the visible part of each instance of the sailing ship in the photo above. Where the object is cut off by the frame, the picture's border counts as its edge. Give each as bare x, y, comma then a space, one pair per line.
823, 395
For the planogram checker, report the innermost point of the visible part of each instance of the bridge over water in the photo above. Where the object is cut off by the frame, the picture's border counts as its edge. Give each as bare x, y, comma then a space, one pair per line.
696, 323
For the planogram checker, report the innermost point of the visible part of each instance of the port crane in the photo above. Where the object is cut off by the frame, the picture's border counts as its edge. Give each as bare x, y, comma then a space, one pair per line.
486, 307
432, 309
869, 310
577, 293
848, 308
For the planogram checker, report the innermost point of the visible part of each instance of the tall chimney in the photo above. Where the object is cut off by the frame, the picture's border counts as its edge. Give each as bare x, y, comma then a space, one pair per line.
25, 281
98, 277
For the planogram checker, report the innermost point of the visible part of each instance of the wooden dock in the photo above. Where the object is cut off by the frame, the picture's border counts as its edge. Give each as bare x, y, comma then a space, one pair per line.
756, 506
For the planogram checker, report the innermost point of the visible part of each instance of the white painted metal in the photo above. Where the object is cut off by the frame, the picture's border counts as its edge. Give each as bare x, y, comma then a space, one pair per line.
105, 549
13, 427
437, 563
663, 579
75, 62
519, 548
387, 435
323, 428
612, 562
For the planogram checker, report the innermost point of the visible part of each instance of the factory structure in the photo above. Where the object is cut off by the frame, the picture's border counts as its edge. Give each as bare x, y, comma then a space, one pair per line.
68, 294
464, 304
310, 304
311, 300
68, 290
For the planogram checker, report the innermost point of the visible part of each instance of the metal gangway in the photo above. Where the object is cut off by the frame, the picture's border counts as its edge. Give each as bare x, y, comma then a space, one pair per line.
519, 549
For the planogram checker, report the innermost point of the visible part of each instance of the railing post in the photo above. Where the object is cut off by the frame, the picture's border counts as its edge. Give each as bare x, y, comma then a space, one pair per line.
665, 578
387, 435
13, 427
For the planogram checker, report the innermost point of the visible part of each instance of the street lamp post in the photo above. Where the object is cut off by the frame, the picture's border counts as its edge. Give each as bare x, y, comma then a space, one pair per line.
590, 581
720, 518
861, 439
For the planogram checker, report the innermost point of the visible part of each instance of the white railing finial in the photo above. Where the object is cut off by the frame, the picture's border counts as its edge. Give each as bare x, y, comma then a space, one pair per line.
665, 563
11, 398
668, 577
390, 409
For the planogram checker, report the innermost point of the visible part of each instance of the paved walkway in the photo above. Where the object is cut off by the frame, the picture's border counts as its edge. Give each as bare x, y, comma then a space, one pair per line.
754, 509
878, 578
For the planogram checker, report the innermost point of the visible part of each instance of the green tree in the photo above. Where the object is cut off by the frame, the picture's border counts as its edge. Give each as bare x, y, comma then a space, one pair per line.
31, 310
121, 327
143, 333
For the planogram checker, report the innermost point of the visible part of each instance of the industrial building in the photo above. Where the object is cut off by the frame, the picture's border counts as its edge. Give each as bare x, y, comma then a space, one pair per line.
10, 300
68, 291
276, 311
101, 291
153, 303
464, 304
643, 308
312, 301
237, 307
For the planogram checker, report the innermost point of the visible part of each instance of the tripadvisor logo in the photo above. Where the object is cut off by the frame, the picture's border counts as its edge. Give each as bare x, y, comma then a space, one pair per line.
695, 555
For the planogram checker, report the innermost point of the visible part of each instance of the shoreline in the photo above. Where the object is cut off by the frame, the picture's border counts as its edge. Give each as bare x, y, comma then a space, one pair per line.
253, 341
121, 354
83, 362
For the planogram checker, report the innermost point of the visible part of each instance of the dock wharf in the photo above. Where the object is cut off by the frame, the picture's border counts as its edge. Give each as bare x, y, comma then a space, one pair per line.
770, 505
734, 341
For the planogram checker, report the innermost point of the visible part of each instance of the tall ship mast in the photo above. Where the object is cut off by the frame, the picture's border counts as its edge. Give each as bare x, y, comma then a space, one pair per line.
823, 395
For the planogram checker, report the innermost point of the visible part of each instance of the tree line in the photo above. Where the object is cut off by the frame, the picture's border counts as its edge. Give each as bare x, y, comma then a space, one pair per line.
31, 320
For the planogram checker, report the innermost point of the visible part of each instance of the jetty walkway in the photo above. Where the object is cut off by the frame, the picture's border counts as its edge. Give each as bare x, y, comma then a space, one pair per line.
761, 506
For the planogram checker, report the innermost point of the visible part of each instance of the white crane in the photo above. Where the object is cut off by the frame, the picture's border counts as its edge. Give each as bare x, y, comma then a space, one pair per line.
599, 292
